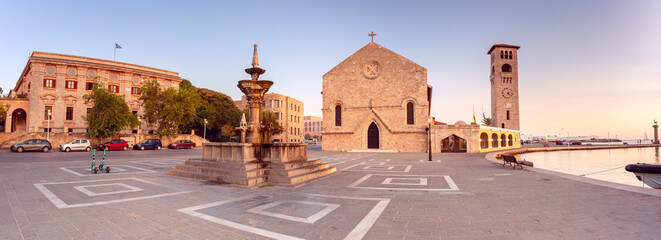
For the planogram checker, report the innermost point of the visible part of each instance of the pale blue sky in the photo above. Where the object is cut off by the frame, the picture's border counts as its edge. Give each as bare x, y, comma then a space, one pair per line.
590, 67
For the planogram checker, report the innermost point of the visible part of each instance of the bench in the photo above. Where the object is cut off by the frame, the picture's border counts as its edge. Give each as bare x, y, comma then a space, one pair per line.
511, 160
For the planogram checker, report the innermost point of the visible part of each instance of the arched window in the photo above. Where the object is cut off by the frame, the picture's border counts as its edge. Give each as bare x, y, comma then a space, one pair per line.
508, 114
506, 68
338, 115
510, 55
502, 125
509, 140
409, 113
501, 54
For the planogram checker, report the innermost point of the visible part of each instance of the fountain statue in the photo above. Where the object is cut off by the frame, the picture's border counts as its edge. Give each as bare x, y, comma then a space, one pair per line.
254, 160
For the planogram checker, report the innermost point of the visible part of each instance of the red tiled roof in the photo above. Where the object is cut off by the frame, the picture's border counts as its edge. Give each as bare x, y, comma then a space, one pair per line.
502, 45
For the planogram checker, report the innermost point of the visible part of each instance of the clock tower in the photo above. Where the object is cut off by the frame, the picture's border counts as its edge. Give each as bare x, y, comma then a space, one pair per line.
504, 86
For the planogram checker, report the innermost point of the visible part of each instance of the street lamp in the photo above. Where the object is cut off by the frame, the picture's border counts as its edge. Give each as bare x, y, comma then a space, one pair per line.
140, 123
48, 133
429, 136
205, 129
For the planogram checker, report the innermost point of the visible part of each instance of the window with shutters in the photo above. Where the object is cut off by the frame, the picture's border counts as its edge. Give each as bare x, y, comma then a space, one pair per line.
49, 83
69, 113
71, 84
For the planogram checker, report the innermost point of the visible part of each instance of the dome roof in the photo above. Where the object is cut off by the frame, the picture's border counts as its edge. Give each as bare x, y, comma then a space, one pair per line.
460, 123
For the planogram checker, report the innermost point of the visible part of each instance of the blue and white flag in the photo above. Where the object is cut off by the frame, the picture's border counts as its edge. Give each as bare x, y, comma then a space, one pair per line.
117, 46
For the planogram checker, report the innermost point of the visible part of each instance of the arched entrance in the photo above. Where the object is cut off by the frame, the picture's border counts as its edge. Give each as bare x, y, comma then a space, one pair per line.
484, 140
18, 120
454, 143
373, 136
494, 140
503, 140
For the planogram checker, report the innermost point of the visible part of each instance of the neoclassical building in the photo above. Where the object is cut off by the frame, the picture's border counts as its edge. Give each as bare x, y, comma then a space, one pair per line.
56, 83
289, 113
378, 100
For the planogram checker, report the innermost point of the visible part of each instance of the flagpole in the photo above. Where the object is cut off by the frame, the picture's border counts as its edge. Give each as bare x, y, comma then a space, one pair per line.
114, 54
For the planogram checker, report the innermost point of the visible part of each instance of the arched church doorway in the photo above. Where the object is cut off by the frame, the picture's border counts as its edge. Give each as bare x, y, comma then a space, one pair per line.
373, 136
18, 123
453, 143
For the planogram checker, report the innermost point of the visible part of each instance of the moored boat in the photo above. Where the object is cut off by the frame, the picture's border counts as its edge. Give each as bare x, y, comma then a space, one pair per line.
650, 174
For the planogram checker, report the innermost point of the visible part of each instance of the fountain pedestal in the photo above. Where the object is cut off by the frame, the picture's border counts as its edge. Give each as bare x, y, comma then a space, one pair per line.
252, 162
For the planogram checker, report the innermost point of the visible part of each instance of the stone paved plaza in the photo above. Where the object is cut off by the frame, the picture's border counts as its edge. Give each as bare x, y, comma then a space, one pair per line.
374, 196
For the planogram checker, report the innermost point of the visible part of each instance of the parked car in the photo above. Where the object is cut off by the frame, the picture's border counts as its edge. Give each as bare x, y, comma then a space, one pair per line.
182, 144
115, 144
558, 142
32, 145
576, 143
76, 145
149, 144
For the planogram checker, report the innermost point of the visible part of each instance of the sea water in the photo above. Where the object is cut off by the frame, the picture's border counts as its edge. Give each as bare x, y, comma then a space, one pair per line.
602, 164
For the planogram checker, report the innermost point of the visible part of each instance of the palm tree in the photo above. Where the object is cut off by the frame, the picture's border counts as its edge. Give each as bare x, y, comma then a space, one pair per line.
486, 121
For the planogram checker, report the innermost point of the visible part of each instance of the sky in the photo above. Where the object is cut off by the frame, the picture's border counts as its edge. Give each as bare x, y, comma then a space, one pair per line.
585, 67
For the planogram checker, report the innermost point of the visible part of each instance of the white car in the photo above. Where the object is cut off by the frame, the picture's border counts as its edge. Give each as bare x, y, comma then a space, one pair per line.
76, 144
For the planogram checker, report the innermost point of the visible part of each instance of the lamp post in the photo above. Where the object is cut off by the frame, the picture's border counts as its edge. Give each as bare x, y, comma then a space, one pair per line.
140, 123
429, 136
205, 130
48, 131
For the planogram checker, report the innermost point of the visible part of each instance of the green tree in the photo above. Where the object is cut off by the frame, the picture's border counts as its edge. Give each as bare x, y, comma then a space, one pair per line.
168, 109
3, 112
219, 110
110, 113
270, 124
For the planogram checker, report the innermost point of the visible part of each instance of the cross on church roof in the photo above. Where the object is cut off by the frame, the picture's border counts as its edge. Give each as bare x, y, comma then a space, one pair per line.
372, 35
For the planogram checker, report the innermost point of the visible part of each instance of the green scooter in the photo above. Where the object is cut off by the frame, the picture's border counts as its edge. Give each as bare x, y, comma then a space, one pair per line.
101, 166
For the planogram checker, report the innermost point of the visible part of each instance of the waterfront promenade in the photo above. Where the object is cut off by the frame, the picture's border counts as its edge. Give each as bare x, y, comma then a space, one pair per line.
375, 196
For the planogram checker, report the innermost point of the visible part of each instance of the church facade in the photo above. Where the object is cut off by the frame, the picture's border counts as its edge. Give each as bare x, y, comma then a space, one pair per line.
378, 100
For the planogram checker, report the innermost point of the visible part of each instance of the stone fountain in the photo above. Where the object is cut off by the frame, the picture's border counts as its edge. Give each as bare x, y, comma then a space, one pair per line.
254, 160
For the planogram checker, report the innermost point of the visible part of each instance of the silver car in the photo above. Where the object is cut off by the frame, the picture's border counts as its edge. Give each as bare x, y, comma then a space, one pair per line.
76, 144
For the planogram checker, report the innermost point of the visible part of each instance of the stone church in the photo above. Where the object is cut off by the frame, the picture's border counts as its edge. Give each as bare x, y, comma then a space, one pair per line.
378, 100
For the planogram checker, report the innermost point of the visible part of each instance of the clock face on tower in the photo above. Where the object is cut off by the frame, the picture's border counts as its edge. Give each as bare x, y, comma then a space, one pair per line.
507, 93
